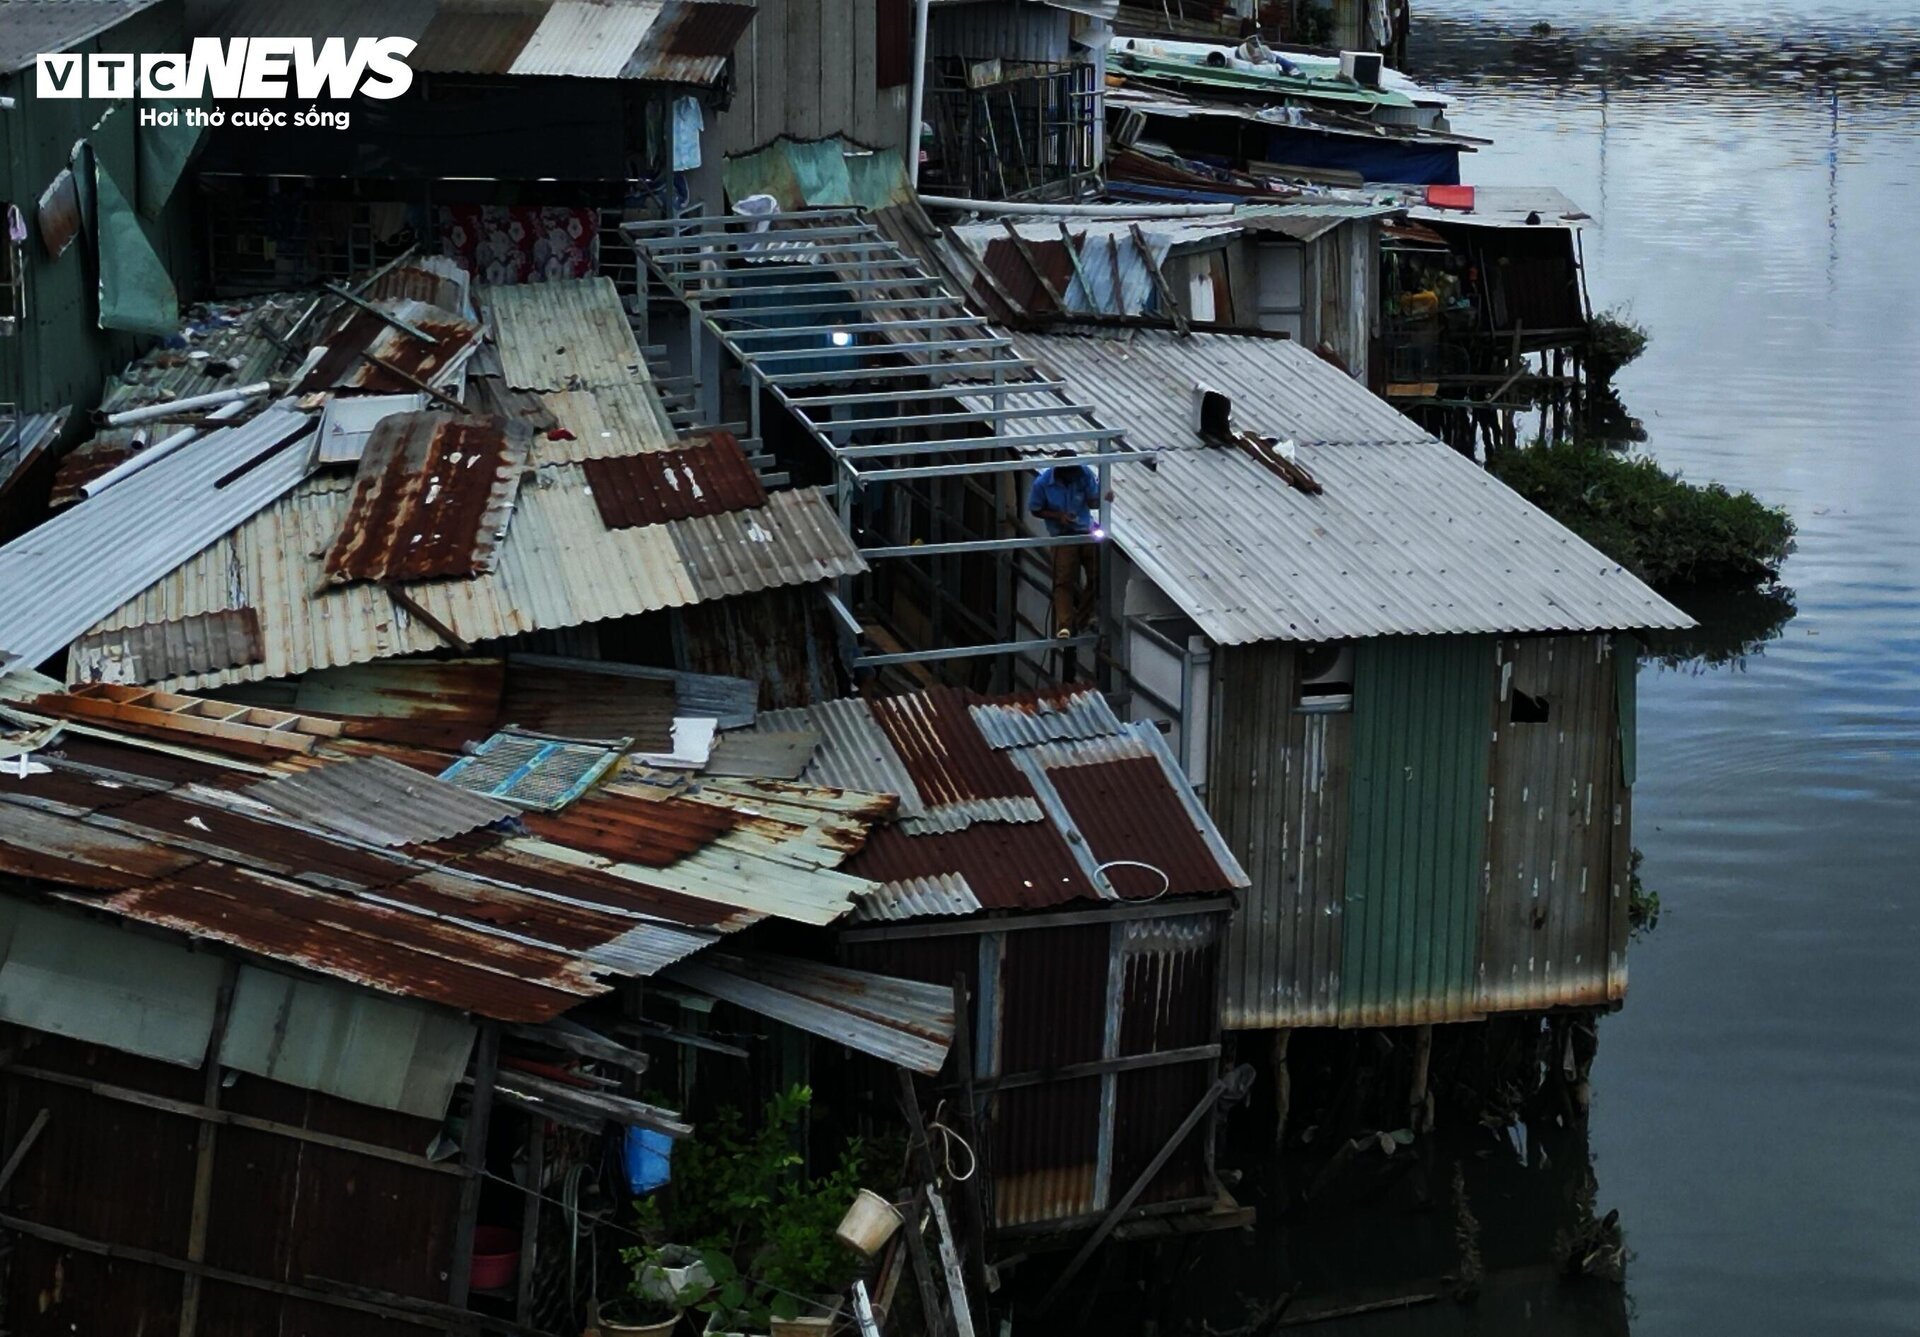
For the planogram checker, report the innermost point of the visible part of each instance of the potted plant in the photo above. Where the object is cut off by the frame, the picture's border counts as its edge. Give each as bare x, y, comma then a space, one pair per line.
764, 1228
637, 1316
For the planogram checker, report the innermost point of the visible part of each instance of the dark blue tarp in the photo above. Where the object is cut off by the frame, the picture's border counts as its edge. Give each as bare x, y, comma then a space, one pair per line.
1377, 160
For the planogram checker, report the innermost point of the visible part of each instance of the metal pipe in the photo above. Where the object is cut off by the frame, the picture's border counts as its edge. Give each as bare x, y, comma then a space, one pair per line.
158, 451
211, 399
919, 101
1029, 208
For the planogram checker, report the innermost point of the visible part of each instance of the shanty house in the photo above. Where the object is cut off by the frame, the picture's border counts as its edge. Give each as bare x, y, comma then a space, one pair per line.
1407, 693
298, 1036
1055, 863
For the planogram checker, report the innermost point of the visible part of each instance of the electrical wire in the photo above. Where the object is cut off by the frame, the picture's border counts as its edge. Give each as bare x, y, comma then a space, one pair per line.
1166, 882
948, 1140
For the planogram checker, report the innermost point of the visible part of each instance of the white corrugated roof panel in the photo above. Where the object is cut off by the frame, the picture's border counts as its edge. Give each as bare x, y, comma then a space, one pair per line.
559, 566
590, 39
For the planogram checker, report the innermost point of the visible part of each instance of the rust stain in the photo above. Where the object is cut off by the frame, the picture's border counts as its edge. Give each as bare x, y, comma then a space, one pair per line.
943, 750
653, 832
429, 501
703, 477
343, 365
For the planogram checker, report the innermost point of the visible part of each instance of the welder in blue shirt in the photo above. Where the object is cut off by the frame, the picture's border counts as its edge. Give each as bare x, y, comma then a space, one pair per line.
1065, 496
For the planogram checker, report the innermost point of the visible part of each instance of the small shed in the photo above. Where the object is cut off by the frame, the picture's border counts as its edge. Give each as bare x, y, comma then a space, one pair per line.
1053, 861
1407, 693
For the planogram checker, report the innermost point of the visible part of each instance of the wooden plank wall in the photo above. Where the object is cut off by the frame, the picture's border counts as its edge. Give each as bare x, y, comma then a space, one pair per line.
806, 68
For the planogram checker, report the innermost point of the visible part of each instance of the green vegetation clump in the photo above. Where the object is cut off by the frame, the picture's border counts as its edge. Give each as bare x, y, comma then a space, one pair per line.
1664, 530
1614, 339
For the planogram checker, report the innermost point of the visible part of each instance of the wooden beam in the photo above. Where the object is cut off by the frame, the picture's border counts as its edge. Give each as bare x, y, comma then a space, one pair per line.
950, 1264
1132, 1195
415, 382
203, 1154
1160, 284
356, 1298
1033, 263
400, 596
1100, 1066
473, 1157
27, 1140
530, 1216
126, 1095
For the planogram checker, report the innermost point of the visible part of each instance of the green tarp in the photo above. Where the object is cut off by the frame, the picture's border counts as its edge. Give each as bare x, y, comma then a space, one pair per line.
818, 173
136, 293
165, 151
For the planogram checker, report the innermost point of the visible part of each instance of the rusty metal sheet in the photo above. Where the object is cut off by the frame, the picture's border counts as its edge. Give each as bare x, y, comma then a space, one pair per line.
362, 336
460, 40
581, 701
59, 214
427, 702
1002, 865
431, 499
653, 832
689, 42
153, 651
960, 778
108, 448
378, 946
1128, 813
380, 801
903, 1022
1027, 719
710, 476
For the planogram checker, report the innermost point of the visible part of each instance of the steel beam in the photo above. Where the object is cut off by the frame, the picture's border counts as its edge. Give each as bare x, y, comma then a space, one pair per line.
869, 350
915, 369
868, 327
971, 651
966, 444
966, 416
802, 402
978, 545
864, 476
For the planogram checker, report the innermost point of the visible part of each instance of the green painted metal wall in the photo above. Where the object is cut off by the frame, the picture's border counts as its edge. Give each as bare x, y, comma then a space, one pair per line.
1422, 727
61, 356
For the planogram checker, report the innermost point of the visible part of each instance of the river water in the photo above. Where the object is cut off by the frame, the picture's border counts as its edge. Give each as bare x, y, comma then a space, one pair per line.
1754, 174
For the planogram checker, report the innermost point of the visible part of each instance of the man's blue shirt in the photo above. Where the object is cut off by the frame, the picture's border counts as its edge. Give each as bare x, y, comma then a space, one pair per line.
1073, 489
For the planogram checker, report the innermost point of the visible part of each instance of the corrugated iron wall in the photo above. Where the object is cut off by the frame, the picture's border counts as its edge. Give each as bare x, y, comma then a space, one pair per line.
283, 1211
1277, 786
1421, 722
1552, 892
1047, 998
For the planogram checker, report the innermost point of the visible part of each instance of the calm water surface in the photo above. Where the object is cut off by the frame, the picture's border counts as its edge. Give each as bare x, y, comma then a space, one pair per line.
1755, 175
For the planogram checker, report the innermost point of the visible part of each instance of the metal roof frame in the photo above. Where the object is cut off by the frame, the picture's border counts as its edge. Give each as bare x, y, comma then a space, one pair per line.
890, 309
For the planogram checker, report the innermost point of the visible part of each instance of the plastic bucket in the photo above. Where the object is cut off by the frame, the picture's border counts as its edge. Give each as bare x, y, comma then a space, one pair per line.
868, 1224
496, 1258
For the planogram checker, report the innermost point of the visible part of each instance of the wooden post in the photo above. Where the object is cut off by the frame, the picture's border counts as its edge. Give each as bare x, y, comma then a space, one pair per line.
1282, 1086
1160, 285
933, 1313
950, 1264
1139, 1186
530, 1215
1422, 1061
19, 1154
972, 1205
473, 1161
203, 1155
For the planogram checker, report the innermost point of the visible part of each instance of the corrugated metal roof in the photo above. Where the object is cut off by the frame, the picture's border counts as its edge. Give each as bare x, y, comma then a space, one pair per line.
580, 699
1409, 537
960, 778
663, 41
589, 39
365, 352
59, 579
226, 344
1023, 721
768, 754
559, 567
854, 751
1108, 798
1406, 539
1144, 381
727, 700
30, 27
901, 1021
153, 651
706, 476
605, 421
379, 801
348, 420
431, 499
23, 439
568, 335
513, 927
